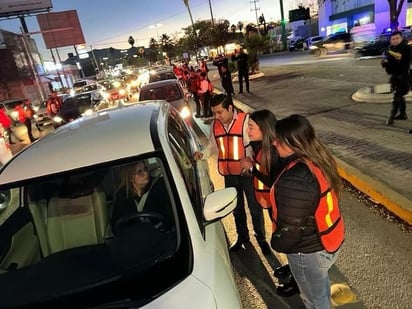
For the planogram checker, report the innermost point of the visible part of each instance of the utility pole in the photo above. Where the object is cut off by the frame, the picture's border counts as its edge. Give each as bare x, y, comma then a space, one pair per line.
211, 13
256, 9
283, 26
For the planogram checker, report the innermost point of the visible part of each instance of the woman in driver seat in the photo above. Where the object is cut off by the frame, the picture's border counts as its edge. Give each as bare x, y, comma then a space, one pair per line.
140, 193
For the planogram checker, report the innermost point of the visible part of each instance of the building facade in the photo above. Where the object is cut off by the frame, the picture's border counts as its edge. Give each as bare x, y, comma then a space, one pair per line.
365, 19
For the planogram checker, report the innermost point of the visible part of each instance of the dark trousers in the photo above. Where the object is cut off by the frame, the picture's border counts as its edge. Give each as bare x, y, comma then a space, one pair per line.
243, 75
197, 103
27, 123
244, 187
400, 87
205, 101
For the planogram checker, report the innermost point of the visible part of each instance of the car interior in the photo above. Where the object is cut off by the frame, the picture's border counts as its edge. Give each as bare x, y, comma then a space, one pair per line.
61, 226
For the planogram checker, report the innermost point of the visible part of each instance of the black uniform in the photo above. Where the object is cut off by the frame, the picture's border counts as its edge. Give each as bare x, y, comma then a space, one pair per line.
396, 63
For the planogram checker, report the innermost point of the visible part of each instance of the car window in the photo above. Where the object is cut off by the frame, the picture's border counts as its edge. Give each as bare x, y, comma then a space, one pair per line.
13, 104
92, 219
181, 143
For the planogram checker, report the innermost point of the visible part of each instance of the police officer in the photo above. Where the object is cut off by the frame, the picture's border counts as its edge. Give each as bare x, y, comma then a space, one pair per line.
397, 63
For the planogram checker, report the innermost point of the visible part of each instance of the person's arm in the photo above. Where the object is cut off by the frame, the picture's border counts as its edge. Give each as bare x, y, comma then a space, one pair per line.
298, 190
210, 149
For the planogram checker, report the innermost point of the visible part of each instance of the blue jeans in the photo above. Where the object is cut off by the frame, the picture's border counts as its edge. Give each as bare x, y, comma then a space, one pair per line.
310, 271
244, 184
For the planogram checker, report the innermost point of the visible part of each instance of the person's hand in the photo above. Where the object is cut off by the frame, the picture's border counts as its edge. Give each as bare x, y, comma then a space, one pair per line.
246, 163
197, 155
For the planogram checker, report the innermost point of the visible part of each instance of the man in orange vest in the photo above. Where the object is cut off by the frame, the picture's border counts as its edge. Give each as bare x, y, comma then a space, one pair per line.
229, 139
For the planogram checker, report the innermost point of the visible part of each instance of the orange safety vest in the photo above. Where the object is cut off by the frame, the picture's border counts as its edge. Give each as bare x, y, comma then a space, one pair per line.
230, 145
262, 192
328, 218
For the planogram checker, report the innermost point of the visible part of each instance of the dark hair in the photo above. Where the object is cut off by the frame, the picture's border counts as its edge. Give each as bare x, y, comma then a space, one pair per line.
297, 132
266, 121
223, 99
396, 32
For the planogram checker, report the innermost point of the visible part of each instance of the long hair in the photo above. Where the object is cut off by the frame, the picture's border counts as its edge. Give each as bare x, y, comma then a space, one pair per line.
127, 174
297, 132
266, 121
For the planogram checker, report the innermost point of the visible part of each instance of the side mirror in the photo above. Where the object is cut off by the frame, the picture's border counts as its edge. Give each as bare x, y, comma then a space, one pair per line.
220, 203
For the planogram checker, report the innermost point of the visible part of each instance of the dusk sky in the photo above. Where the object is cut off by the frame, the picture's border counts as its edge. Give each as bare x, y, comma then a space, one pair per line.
110, 23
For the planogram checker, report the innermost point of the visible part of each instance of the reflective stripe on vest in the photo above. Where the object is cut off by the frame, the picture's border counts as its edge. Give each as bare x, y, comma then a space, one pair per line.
328, 218
230, 146
262, 192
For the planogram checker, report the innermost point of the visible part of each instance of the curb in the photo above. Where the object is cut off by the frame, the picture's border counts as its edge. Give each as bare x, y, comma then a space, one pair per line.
377, 94
375, 189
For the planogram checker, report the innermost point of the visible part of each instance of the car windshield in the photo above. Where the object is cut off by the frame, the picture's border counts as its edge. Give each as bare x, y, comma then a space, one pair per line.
12, 104
81, 233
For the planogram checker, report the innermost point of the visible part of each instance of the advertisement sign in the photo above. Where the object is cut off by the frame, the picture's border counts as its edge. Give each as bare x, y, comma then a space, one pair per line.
13, 7
61, 29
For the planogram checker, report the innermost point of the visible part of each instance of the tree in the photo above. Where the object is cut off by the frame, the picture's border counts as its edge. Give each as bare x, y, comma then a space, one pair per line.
255, 45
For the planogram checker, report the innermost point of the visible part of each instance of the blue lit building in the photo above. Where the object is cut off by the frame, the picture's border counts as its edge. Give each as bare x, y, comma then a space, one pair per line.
363, 18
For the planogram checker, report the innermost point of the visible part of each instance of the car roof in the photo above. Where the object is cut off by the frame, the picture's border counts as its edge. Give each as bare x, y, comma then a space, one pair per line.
102, 137
162, 83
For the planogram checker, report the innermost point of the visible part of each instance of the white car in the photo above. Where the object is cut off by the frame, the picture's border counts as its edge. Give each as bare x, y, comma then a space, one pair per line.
59, 248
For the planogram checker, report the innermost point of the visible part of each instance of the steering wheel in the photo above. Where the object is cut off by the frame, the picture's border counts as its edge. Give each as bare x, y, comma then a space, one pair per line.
159, 221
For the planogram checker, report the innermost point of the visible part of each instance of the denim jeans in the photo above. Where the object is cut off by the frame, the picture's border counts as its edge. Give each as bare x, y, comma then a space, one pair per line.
244, 184
310, 271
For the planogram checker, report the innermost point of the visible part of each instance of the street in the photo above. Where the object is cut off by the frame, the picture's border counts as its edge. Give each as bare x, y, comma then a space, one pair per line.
375, 258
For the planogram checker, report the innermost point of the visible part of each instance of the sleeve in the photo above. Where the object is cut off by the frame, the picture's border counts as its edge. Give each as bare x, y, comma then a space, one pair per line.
211, 147
297, 193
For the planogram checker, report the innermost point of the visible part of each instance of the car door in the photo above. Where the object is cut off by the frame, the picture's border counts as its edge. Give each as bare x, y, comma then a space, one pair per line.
211, 258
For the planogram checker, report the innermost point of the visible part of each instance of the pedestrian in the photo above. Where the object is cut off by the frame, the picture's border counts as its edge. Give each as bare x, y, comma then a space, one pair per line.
193, 84
242, 69
307, 224
228, 138
205, 93
26, 120
28, 109
53, 105
6, 122
203, 66
222, 64
396, 62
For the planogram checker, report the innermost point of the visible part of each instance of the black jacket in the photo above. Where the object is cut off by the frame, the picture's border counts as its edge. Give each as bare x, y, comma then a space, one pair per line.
297, 197
157, 201
242, 62
398, 59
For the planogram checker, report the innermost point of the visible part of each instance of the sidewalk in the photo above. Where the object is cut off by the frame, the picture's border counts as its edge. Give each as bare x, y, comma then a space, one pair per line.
374, 158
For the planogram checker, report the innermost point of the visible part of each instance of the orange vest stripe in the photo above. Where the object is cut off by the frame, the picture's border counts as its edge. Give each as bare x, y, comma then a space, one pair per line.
328, 218
262, 192
230, 146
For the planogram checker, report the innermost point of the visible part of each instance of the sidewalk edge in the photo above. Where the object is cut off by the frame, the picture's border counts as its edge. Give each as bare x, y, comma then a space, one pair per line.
379, 193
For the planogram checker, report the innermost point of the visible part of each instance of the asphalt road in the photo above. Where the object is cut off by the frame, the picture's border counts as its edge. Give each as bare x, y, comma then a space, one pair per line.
375, 260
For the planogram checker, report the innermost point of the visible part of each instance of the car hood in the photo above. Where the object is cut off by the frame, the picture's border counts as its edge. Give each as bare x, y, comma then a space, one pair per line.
185, 295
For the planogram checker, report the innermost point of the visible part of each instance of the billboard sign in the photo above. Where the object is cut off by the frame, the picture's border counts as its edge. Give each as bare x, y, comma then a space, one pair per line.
13, 7
60, 29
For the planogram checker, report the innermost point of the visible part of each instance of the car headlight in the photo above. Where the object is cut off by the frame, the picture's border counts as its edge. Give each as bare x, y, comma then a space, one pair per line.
122, 92
106, 95
72, 92
313, 47
36, 108
35, 116
185, 112
88, 112
58, 119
